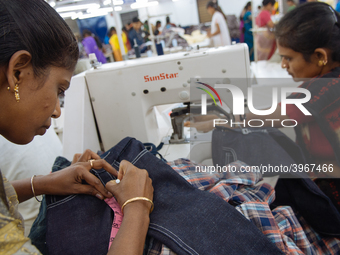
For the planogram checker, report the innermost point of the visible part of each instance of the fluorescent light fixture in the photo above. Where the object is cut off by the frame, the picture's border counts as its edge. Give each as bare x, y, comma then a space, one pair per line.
175, 0
97, 13
52, 3
91, 15
67, 14
143, 4
106, 9
76, 15
115, 2
77, 7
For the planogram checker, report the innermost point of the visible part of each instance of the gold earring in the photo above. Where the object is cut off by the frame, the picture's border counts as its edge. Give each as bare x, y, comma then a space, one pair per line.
320, 63
8, 88
325, 62
16, 93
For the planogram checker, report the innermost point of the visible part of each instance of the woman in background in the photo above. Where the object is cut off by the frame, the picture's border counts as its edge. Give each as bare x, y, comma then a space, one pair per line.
91, 46
245, 9
265, 40
219, 32
248, 34
114, 42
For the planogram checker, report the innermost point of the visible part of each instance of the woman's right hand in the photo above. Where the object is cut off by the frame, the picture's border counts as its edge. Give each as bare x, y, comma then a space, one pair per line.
134, 182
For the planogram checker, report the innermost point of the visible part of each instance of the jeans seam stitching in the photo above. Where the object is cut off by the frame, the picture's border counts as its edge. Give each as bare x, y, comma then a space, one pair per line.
107, 155
67, 199
141, 154
181, 243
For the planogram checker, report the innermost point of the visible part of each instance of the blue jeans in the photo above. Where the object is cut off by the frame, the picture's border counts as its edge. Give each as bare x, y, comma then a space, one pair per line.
256, 147
187, 220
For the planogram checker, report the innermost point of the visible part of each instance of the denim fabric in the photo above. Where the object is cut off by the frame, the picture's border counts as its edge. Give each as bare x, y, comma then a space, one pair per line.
305, 197
255, 147
187, 220
38, 230
78, 224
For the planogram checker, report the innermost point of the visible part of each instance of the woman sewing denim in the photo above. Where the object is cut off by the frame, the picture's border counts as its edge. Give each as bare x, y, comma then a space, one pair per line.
38, 55
308, 41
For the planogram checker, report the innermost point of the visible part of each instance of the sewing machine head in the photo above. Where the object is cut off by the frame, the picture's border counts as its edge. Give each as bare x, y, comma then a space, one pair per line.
123, 94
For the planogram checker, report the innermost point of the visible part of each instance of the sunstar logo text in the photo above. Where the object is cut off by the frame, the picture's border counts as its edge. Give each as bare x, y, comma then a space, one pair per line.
162, 76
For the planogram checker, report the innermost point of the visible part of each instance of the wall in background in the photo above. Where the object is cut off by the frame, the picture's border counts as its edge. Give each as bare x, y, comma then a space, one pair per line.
182, 12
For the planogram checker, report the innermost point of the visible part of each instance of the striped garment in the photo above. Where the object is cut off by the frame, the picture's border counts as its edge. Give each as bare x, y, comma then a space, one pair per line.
288, 230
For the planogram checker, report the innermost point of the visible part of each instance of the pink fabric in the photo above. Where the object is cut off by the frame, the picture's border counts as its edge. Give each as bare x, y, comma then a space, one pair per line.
265, 40
263, 18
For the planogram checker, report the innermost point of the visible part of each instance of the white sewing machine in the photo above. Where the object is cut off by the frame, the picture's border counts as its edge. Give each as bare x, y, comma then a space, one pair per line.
117, 99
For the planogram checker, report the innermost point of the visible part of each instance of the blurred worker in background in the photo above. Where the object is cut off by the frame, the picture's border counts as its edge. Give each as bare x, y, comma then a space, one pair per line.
91, 46
136, 34
157, 28
248, 34
265, 40
219, 32
291, 5
114, 42
125, 31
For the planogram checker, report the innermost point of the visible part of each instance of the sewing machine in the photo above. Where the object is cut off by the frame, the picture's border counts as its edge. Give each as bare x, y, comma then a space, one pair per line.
116, 100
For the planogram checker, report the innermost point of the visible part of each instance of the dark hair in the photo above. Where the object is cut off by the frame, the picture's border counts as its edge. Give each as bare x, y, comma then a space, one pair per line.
135, 19
167, 19
247, 5
266, 2
87, 32
33, 25
308, 27
158, 22
214, 5
112, 29
124, 29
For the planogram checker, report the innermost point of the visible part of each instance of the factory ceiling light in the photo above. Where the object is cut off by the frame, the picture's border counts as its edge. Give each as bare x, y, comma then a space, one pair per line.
143, 4
115, 2
77, 7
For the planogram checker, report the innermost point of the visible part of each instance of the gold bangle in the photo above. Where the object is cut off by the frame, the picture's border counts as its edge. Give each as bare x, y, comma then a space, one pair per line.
32, 187
138, 199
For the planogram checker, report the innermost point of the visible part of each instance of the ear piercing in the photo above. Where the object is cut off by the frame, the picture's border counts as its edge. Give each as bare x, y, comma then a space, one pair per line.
322, 63
16, 92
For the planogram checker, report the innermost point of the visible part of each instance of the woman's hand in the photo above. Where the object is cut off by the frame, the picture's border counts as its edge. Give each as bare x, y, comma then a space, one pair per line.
70, 180
86, 156
134, 182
